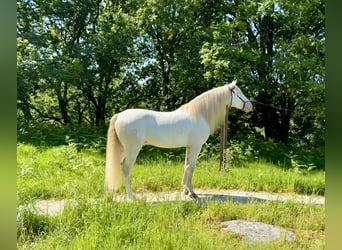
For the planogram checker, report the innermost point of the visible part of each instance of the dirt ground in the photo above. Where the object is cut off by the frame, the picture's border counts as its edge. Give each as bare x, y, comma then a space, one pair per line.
54, 207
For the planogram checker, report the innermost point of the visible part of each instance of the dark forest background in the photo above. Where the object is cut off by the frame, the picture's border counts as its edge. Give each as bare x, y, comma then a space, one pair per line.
79, 62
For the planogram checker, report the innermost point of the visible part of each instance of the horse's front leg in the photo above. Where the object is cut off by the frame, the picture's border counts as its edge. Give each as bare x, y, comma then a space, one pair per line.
185, 175
187, 182
189, 167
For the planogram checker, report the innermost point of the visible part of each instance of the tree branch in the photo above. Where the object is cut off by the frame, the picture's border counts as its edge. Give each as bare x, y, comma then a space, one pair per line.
47, 116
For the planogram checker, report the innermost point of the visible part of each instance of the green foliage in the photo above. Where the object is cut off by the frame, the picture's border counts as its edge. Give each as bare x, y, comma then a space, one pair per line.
238, 154
80, 62
250, 148
50, 134
274, 56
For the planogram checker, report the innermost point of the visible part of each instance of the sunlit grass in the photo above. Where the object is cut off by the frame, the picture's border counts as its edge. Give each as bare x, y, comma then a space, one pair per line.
176, 225
65, 172
97, 223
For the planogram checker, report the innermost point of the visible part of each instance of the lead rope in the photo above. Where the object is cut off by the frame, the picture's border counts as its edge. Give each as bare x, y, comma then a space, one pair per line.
224, 128
223, 142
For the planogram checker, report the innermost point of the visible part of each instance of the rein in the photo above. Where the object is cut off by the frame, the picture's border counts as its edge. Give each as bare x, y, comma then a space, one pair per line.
223, 140
253, 101
272, 106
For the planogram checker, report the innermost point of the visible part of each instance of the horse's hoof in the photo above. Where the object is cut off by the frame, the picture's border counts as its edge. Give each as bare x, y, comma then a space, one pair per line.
193, 196
186, 192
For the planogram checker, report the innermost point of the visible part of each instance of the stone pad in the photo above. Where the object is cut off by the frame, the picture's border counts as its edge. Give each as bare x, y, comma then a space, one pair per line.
257, 231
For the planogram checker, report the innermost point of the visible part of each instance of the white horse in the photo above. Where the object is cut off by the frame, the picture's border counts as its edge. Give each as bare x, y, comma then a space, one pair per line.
188, 126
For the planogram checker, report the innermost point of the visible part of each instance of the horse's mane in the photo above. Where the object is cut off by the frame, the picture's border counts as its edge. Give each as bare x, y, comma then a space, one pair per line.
211, 105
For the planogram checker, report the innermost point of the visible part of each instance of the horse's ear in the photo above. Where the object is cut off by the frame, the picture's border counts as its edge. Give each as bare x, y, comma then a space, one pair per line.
232, 84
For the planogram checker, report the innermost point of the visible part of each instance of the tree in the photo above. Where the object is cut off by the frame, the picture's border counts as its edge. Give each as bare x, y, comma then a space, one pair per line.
267, 45
82, 46
82, 61
172, 33
54, 29
107, 57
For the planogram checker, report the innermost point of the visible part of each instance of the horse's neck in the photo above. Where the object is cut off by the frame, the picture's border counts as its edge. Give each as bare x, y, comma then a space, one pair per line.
210, 105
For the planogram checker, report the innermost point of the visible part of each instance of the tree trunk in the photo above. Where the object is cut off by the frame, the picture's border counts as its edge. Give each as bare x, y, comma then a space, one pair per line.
276, 112
276, 117
287, 107
63, 106
100, 113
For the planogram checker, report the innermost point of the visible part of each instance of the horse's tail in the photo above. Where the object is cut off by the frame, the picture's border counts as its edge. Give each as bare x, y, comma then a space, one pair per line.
114, 152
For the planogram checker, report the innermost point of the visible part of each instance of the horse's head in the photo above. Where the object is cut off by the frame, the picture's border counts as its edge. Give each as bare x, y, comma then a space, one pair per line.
238, 99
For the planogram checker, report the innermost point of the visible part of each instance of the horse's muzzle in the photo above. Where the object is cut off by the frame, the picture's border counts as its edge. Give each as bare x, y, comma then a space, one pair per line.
248, 107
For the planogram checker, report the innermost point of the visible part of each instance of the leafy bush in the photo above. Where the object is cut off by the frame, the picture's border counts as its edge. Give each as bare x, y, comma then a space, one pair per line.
239, 149
288, 156
237, 154
45, 134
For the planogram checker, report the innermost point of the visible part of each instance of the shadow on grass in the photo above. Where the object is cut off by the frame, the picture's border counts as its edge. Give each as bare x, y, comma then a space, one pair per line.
203, 198
243, 199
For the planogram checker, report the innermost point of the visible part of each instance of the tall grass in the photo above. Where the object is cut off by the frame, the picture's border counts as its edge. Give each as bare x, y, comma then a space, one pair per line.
65, 171
177, 225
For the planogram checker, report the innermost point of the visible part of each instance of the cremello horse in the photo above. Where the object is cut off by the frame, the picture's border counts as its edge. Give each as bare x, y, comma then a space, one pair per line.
188, 126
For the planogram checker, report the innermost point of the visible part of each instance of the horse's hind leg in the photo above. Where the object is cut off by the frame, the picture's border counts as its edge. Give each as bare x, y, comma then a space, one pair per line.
127, 167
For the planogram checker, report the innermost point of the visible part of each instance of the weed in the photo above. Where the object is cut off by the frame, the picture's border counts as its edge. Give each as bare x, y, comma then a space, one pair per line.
299, 166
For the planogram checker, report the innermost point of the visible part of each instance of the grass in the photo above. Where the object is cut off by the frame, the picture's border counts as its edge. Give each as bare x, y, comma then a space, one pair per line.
177, 225
66, 171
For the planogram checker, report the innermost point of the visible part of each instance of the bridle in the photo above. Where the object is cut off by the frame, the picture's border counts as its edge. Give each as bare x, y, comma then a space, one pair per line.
231, 97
